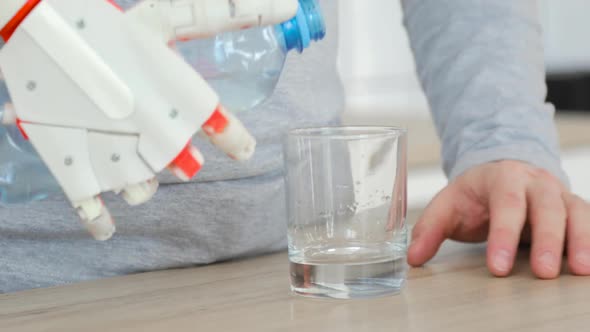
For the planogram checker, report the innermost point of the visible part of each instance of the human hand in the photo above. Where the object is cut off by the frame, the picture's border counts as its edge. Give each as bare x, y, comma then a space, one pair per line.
505, 203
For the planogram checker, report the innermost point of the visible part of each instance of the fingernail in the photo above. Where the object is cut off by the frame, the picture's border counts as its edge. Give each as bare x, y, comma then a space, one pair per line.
547, 260
583, 258
502, 261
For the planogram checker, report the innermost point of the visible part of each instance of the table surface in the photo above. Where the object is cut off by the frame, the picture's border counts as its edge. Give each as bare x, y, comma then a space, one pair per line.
453, 293
425, 145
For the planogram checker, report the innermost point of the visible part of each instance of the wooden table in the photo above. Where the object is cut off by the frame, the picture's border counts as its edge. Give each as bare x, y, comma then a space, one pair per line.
453, 293
424, 143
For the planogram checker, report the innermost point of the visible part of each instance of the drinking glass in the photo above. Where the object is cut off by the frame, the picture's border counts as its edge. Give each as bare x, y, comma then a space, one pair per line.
346, 199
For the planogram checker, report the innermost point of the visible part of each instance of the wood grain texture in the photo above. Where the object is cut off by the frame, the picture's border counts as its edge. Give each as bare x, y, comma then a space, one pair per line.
453, 293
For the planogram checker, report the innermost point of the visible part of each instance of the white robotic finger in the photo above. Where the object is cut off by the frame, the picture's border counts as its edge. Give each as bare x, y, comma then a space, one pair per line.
228, 134
65, 151
140, 193
96, 217
177, 20
187, 164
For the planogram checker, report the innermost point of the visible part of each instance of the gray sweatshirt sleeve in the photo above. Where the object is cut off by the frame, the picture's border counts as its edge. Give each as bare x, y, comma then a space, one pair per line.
481, 65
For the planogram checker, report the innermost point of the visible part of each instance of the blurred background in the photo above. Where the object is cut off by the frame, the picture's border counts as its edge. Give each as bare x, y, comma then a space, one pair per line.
382, 86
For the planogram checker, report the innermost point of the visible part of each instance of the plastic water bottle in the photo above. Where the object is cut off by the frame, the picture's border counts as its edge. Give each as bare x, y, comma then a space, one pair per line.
244, 66
23, 176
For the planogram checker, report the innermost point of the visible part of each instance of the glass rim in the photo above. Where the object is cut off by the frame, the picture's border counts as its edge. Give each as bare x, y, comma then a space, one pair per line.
348, 132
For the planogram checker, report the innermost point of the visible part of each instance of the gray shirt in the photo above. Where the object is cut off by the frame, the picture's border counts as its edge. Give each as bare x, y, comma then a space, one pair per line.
481, 66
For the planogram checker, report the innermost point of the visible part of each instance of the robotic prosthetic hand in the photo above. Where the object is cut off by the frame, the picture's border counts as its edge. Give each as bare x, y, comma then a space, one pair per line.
107, 104
190, 19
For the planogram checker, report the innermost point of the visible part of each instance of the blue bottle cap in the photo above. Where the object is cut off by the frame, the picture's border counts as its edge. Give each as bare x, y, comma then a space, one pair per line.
306, 26
315, 19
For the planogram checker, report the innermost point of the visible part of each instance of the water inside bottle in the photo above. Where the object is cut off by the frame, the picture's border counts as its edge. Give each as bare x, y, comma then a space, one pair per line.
23, 175
243, 67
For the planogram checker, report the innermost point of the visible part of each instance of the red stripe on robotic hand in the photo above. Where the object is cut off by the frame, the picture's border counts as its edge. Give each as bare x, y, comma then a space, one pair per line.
8, 30
217, 123
229, 135
19, 125
112, 2
187, 164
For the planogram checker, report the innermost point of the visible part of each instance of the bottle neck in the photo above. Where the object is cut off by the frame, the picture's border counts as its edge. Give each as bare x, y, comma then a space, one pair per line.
308, 25
296, 33
314, 18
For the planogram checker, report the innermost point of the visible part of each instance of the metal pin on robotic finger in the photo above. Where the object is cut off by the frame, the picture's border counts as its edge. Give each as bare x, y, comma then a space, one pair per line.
228, 134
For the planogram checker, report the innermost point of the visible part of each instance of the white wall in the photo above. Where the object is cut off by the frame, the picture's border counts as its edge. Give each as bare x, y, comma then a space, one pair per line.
375, 60
378, 70
567, 30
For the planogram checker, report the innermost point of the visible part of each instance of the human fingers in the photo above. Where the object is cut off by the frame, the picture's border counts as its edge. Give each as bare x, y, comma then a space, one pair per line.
434, 226
507, 206
578, 234
547, 216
